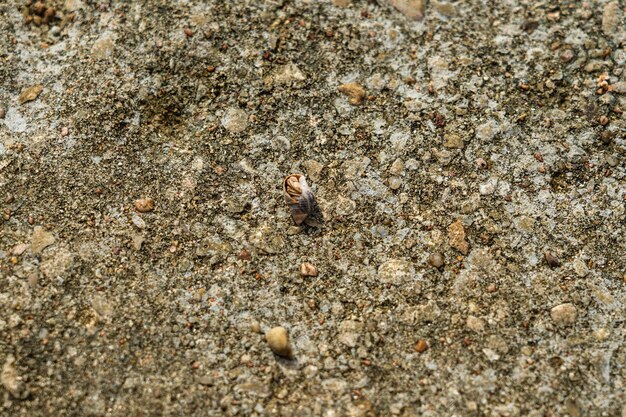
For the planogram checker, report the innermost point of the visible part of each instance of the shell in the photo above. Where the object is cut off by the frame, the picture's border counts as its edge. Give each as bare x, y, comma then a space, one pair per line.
301, 201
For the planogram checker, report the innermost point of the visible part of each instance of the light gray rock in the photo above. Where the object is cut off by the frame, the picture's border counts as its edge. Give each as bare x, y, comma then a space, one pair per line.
350, 332
564, 314
396, 272
40, 239
235, 120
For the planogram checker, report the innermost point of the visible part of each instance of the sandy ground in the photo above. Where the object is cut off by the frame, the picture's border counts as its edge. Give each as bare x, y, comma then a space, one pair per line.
146, 247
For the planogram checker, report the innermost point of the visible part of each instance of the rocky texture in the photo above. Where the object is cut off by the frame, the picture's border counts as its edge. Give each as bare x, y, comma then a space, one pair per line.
503, 119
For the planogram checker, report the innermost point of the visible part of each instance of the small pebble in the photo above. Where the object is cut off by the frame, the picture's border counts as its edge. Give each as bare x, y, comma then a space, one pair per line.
601, 334
618, 87
49, 14
551, 260
137, 241
30, 94
235, 120
138, 221
397, 167
567, 55
3, 112
294, 230
453, 140
421, 346
413, 9
308, 270
144, 205
278, 340
65, 131
606, 137
204, 380
446, 9
354, 91
611, 18
396, 272
564, 314
474, 323
289, 75
11, 380
19, 249
436, 260
244, 255
456, 234
395, 183
481, 163
39, 8
612, 161
255, 327
603, 120
580, 268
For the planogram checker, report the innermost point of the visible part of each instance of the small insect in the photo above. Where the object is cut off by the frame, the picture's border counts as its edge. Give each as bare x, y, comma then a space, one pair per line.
301, 201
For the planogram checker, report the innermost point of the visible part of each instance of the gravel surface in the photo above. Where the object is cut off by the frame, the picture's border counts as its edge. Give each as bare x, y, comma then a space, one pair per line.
468, 158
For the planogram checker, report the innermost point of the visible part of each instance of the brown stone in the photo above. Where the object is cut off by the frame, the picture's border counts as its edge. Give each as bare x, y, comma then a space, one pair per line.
551, 260
456, 234
354, 91
144, 205
308, 270
30, 94
421, 346
278, 340
436, 260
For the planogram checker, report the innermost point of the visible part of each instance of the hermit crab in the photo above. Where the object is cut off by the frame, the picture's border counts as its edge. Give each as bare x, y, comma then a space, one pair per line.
301, 201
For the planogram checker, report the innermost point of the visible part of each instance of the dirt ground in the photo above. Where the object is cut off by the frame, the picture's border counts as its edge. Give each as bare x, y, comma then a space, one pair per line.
468, 158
